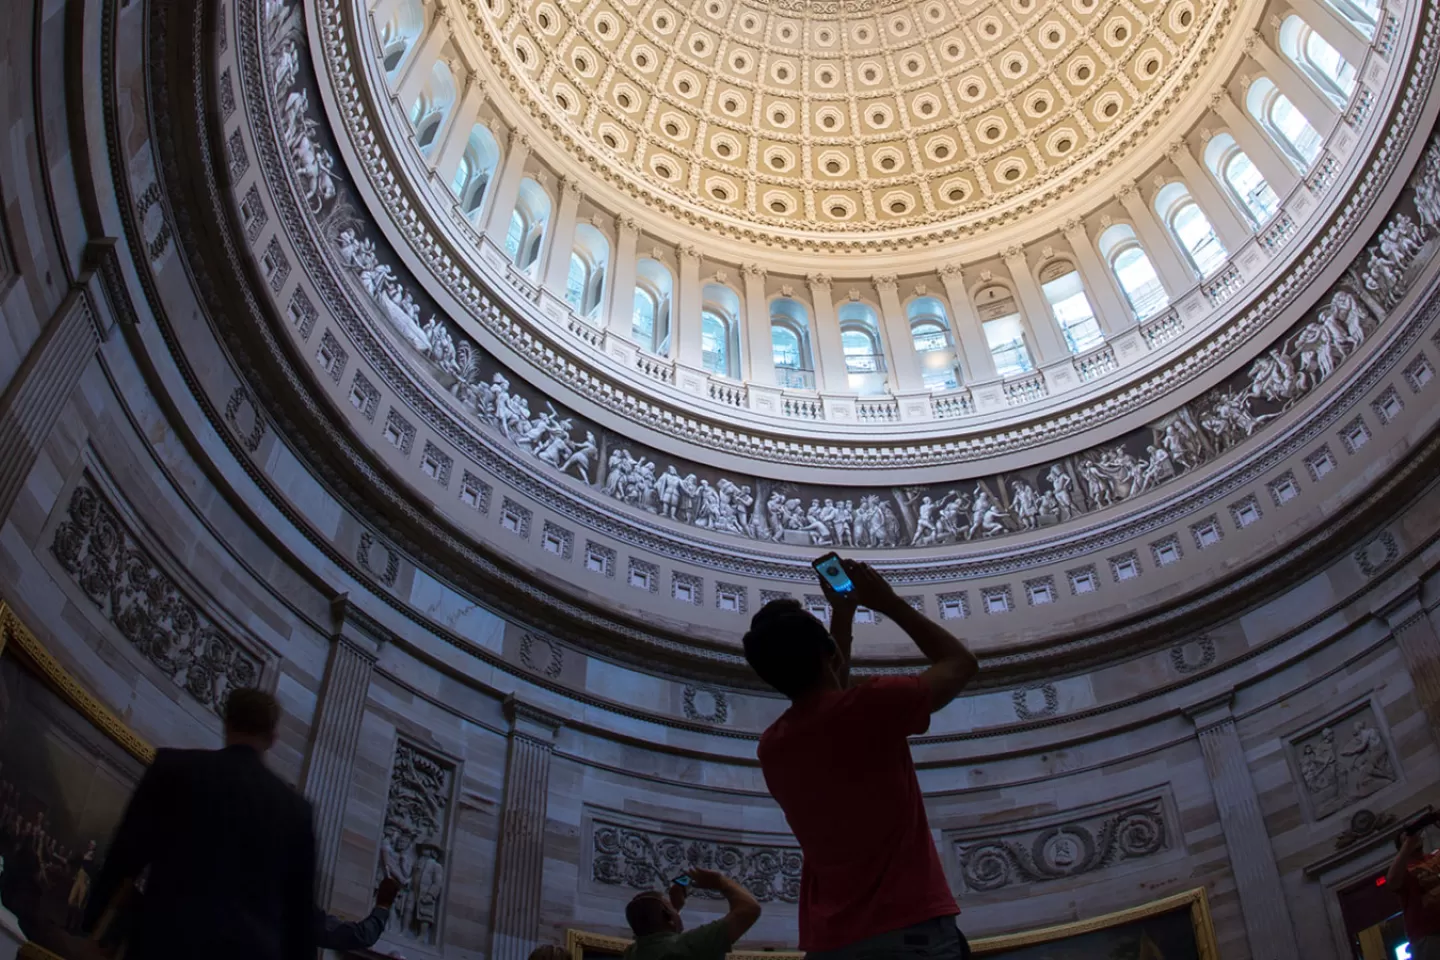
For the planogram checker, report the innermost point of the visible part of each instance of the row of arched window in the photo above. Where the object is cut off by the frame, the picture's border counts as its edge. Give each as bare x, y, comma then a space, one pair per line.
1005, 331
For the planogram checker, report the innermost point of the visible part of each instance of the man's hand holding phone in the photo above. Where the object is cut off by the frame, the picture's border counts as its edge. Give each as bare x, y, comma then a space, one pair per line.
868, 588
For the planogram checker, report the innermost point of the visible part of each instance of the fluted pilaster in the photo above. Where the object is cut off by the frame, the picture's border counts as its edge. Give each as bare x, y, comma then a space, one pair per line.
330, 766
520, 862
39, 390
1415, 635
1252, 858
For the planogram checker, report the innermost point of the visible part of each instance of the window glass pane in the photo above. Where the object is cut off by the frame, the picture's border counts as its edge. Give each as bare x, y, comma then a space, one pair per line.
575, 282
1292, 126
1006, 337
786, 347
1362, 13
859, 351
942, 379
929, 336
642, 324
515, 234
462, 176
1192, 228
417, 110
1250, 187
1139, 281
713, 337
1066, 295
1328, 63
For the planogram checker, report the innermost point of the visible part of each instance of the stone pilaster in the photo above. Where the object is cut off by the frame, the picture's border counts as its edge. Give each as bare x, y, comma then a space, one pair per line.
34, 398
1415, 635
330, 766
520, 860
1252, 858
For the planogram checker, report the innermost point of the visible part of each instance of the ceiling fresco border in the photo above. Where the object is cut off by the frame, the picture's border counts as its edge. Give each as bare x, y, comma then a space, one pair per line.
565, 363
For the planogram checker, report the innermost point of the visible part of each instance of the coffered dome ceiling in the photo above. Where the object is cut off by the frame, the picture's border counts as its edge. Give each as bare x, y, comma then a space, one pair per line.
852, 124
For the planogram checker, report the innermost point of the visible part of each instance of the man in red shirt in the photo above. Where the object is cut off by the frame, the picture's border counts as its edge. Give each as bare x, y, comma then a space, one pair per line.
838, 763
1415, 878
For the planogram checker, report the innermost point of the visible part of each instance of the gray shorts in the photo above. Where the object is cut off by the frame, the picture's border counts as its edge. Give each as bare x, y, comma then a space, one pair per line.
937, 939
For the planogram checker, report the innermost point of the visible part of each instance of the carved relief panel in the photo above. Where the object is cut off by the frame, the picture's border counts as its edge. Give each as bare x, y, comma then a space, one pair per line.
1063, 848
151, 609
414, 847
645, 858
1342, 760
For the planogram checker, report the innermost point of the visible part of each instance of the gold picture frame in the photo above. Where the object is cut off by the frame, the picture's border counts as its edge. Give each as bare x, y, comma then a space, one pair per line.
578, 942
16, 636
30, 654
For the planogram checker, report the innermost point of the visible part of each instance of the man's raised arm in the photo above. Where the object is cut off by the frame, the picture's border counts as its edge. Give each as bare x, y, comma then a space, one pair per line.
952, 665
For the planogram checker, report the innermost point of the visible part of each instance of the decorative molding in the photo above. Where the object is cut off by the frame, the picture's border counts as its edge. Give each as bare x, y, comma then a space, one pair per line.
250, 436
364, 555
1342, 760
1084, 845
1377, 554
1193, 655
1020, 699
550, 664
145, 604
622, 855
716, 712
1363, 823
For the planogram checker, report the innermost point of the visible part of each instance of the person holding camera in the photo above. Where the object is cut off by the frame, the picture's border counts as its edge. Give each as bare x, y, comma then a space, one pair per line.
660, 934
838, 763
1415, 878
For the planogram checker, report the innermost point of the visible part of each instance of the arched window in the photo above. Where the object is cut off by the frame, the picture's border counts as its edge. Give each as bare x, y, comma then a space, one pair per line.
1240, 179
859, 339
585, 282
654, 289
930, 334
527, 224
576, 281
720, 330
790, 339
428, 111
1364, 14
1060, 282
1331, 73
1190, 229
397, 38
1133, 271
477, 167
1285, 124
642, 325
1004, 330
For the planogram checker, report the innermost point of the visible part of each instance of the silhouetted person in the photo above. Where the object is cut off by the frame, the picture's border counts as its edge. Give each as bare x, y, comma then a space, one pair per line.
660, 934
230, 851
332, 933
1415, 878
838, 763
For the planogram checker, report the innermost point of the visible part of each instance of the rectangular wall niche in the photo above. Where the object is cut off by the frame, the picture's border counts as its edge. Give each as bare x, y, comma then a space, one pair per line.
1342, 760
415, 842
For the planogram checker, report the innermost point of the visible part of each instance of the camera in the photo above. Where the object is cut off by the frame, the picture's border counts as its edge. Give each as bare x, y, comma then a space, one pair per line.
1420, 822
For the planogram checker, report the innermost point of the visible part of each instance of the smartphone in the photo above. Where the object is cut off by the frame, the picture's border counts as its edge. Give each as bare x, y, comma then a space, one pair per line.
681, 881
832, 571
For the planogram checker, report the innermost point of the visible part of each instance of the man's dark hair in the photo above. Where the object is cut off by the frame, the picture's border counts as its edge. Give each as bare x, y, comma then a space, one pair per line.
788, 646
645, 913
253, 713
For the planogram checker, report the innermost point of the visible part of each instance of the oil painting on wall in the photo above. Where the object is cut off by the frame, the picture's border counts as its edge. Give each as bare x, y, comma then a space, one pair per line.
64, 783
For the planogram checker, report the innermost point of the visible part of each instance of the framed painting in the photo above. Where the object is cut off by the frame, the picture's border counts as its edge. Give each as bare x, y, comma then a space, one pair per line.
1175, 928
67, 769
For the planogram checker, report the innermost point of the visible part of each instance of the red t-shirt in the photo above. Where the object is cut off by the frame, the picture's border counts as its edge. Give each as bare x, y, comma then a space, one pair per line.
839, 766
1420, 898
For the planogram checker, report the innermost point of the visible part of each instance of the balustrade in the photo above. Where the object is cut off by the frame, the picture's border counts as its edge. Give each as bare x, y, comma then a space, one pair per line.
803, 408
1025, 389
1282, 228
656, 368
1223, 285
948, 406
1096, 363
730, 394
1162, 329
878, 411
